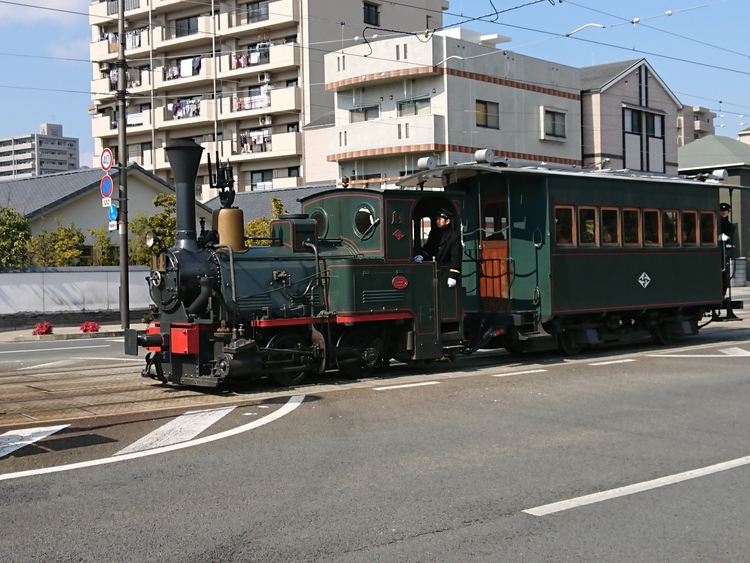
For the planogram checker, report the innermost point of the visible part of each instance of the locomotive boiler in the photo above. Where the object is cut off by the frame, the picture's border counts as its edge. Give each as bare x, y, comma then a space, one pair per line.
550, 259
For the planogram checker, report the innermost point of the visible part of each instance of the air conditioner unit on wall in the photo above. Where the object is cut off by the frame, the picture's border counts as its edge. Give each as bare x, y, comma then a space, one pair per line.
264, 77
265, 120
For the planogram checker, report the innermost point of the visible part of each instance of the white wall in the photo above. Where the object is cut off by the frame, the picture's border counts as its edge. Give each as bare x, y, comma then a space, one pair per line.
60, 290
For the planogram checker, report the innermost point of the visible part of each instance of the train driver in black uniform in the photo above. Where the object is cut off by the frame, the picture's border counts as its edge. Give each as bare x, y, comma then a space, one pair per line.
727, 230
444, 246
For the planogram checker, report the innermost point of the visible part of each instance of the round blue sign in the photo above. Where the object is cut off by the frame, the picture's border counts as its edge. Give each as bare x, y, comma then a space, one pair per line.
113, 212
106, 186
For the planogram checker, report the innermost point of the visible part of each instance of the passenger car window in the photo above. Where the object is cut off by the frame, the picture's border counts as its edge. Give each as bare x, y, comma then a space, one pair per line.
610, 227
651, 230
631, 227
708, 228
587, 226
564, 226
670, 228
689, 228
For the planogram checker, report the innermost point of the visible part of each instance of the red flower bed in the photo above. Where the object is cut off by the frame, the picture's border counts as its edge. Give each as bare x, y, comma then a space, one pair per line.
42, 328
90, 326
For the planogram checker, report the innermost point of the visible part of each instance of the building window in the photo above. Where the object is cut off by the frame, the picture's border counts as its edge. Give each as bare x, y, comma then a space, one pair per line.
261, 180
372, 15
257, 11
186, 26
293, 172
654, 125
632, 122
554, 124
292, 128
364, 114
414, 107
292, 83
488, 114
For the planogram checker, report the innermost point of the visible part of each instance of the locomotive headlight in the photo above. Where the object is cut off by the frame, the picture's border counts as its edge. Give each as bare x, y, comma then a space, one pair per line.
152, 239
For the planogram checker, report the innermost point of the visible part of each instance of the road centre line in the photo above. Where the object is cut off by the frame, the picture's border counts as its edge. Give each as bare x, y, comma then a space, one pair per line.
33, 350
518, 372
405, 385
293, 402
612, 362
636, 488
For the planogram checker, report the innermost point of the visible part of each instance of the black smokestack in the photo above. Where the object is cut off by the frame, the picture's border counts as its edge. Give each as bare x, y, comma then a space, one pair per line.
185, 158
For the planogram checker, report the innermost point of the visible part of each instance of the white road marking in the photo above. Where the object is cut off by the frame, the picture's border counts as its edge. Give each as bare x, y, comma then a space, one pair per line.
612, 362
35, 350
113, 359
17, 439
735, 352
692, 355
405, 385
181, 429
58, 363
291, 404
518, 372
636, 488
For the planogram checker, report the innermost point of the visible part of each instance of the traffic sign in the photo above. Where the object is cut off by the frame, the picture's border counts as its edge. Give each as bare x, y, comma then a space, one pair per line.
106, 186
106, 159
112, 226
106, 201
113, 211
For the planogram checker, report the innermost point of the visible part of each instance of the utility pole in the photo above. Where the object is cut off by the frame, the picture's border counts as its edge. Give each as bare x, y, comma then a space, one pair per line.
122, 157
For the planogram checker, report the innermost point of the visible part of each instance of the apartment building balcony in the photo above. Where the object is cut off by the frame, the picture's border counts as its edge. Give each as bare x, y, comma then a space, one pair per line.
176, 117
166, 37
184, 73
275, 101
280, 13
288, 182
101, 11
104, 51
139, 81
103, 90
105, 126
260, 62
20, 147
389, 136
279, 145
703, 127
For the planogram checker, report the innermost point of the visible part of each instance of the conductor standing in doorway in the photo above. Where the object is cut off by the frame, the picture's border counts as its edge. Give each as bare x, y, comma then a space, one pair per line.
444, 246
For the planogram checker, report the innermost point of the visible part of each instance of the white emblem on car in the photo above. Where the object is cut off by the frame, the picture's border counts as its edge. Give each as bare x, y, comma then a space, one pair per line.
644, 280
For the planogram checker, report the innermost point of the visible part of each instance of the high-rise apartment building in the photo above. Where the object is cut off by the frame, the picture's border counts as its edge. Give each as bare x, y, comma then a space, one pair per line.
26, 156
241, 78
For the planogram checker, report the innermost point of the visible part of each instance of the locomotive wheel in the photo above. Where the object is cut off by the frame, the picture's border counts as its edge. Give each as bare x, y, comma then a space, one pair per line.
661, 335
566, 345
357, 353
286, 341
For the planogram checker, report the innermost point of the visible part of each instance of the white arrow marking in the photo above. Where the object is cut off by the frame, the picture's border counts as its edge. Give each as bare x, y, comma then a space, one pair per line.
17, 439
181, 429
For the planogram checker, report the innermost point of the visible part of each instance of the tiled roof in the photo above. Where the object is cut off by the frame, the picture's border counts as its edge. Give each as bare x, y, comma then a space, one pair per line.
34, 196
597, 76
258, 204
713, 151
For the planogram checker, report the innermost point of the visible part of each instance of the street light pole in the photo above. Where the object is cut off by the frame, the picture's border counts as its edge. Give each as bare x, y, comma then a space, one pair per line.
122, 156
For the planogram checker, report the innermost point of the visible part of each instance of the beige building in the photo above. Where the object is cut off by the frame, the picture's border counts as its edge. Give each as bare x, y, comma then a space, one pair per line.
695, 122
630, 118
403, 99
48, 152
241, 78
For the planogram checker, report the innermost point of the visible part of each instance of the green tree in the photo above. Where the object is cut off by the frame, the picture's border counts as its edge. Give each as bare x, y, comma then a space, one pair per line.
163, 224
15, 233
104, 252
260, 228
60, 248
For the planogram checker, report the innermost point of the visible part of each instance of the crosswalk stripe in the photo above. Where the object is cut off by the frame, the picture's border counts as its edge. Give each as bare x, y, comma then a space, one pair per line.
181, 429
17, 439
735, 352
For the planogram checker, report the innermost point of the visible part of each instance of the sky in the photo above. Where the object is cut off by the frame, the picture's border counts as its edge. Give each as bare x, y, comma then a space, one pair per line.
699, 48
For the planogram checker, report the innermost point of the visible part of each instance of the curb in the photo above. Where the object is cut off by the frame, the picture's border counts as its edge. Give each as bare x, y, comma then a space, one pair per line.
72, 336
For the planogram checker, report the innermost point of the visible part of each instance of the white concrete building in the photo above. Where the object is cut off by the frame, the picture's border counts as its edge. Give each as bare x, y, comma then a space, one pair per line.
406, 98
241, 78
47, 152
695, 122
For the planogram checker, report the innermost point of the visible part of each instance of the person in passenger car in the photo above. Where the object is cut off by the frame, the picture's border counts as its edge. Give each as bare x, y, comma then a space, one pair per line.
444, 246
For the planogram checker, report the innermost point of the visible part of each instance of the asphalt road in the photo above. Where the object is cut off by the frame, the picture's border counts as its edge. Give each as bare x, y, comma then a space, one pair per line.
460, 464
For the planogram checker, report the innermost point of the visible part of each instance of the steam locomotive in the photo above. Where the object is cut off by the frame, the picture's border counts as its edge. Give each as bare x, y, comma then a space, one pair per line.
551, 259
